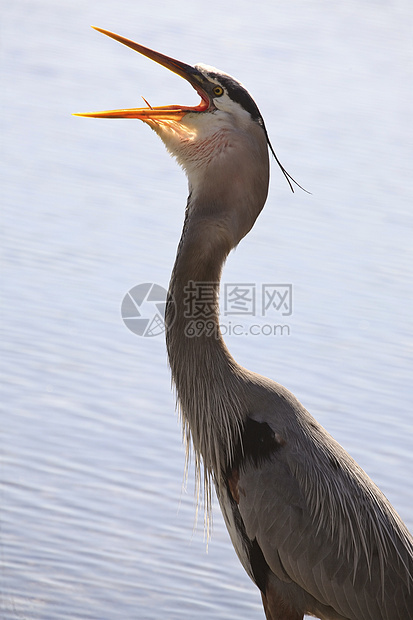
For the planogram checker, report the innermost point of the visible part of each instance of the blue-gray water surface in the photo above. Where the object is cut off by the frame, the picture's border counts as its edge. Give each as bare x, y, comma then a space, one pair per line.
96, 519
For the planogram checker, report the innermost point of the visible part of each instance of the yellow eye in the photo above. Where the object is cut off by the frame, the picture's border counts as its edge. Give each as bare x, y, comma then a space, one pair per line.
218, 91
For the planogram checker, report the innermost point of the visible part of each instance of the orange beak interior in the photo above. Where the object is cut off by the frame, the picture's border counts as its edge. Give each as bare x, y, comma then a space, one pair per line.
171, 112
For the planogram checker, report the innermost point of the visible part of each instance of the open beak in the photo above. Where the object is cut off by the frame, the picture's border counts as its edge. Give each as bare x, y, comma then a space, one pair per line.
171, 112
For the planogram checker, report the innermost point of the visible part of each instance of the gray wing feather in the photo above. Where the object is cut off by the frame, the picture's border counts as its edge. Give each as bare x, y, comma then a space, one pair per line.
323, 524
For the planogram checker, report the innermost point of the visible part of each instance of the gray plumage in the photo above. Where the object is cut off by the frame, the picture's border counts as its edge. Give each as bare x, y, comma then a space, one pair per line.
309, 526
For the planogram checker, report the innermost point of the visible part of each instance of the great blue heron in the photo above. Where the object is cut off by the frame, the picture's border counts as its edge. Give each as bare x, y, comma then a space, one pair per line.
309, 526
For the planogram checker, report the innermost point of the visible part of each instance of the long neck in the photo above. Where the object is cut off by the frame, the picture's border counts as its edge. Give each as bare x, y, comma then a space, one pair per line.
208, 381
228, 192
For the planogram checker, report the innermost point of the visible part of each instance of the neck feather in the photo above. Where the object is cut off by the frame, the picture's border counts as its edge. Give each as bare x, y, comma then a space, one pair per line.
209, 383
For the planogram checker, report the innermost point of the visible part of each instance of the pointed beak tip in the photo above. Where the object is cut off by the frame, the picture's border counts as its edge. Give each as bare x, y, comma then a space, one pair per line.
102, 30
84, 114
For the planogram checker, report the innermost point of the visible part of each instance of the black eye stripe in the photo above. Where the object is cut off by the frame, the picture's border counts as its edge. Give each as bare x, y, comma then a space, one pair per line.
238, 93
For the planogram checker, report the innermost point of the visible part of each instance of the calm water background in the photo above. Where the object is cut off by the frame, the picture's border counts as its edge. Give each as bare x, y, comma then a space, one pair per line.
95, 522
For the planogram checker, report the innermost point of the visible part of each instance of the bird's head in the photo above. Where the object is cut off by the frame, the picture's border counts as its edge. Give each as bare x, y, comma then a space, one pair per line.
222, 142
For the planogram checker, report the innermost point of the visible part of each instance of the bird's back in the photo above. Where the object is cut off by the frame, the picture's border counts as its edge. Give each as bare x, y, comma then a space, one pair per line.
307, 522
